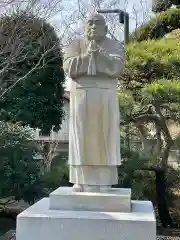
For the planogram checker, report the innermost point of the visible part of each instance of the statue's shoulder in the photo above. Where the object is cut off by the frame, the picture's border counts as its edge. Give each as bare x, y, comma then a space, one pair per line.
112, 43
75, 43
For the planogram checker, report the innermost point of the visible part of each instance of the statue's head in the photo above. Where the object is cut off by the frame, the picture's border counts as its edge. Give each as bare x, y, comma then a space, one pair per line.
95, 27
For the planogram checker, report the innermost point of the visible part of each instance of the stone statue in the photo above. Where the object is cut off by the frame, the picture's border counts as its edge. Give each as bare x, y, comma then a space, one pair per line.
94, 64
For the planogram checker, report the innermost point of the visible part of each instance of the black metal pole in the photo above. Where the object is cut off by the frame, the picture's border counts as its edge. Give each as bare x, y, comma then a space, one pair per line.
123, 19
126, 28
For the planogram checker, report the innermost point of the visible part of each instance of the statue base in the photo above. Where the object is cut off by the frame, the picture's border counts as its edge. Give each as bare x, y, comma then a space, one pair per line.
86, 216
108, 200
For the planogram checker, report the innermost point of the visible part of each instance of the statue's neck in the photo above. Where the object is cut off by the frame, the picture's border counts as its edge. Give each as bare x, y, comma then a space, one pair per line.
98, 41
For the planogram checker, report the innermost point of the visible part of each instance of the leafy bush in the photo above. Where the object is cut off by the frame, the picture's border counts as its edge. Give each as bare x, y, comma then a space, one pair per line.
58, 175
142, 182
149, 61
158, 26
175, 34
161, 5
144, 186
130, 174
32, 50
20, 170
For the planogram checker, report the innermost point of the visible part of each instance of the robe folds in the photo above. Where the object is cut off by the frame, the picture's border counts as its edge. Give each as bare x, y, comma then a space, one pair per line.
94, 135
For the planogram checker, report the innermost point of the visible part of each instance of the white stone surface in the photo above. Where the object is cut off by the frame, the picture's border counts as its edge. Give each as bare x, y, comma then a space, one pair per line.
40, 223
115, 200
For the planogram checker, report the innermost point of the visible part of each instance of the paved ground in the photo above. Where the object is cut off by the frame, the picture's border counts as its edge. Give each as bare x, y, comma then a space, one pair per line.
158, 238
167, 238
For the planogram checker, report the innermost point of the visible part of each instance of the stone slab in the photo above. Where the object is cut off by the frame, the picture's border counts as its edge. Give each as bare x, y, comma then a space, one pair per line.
38, 222
113, 200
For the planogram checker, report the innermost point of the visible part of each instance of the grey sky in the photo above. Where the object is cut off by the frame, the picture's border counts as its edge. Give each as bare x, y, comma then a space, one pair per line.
139, 11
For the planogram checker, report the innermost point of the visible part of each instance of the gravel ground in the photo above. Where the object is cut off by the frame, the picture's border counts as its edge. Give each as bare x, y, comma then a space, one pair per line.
167, 238
10, 235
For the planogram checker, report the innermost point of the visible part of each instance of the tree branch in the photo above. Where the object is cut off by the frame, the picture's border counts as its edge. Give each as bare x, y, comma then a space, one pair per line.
167, 137
146, 118
28, 73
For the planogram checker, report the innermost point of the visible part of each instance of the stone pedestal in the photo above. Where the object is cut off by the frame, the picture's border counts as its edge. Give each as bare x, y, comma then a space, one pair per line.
113, 200
67, 215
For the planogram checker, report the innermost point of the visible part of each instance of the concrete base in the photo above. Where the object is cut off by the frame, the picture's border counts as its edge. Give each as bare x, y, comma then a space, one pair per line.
113, 200
40, 223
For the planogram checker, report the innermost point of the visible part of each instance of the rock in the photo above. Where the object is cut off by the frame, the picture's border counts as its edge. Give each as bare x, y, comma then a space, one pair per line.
10, 235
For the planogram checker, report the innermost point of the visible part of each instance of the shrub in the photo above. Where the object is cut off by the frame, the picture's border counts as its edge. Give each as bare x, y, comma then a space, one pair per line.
175, 34
158, 26
33, 45
148, 61
58, 175
142, 182
20, 173
161, 5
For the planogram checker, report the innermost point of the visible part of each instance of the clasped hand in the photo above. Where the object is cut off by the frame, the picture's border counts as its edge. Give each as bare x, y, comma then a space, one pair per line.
93, 47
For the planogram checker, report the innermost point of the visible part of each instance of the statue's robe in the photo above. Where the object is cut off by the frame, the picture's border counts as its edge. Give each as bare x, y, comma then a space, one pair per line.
94, 135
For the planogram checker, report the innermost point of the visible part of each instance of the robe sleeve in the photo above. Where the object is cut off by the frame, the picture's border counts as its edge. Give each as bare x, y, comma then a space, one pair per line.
74, 64
111, 61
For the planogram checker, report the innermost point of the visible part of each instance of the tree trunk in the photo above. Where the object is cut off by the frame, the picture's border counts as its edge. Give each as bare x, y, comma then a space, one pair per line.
161, 184
143, 136
162, 191
127, 138
159, 143
161, 174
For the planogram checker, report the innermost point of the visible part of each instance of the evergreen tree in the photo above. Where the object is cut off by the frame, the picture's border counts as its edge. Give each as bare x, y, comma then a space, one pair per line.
161, 5
31, 72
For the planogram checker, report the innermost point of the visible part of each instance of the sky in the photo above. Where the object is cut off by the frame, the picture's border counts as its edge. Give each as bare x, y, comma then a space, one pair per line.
67, 11
139, 10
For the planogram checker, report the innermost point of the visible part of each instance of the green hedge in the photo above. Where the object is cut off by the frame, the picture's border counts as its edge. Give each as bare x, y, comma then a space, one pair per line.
158, 26
149, 61
56, 177
163, 5
38, 99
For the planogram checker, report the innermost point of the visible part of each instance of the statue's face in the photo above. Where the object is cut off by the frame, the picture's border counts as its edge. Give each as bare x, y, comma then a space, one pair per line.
95, 28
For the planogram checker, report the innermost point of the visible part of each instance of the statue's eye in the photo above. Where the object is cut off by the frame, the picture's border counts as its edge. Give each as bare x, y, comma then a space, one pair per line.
90, 23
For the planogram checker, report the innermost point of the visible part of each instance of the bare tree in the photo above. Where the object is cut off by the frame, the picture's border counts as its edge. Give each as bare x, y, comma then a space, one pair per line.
13, 47
49, 149
67, 18
74, 14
